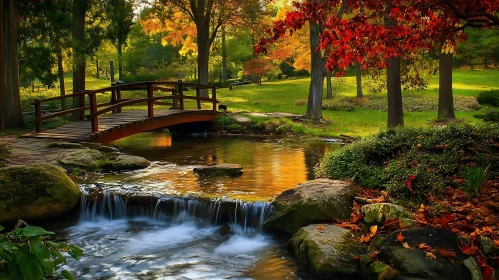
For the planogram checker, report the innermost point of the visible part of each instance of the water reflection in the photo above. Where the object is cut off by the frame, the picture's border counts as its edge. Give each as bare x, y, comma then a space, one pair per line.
271, 165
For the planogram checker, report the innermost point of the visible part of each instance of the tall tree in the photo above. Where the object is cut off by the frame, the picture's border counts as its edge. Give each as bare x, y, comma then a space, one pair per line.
120, 16
10, 106
445, 98
80, 8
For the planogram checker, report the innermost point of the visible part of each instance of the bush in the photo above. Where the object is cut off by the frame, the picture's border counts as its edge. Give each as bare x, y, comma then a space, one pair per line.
4, 154
490, 98
27, 253
343, 104
431, 156
489, 116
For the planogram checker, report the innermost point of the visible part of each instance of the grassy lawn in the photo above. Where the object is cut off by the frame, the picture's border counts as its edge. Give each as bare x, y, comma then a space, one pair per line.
282, 96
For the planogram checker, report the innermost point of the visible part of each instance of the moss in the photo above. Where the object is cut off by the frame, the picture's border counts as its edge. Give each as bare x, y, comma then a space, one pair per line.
85, 159
35, 191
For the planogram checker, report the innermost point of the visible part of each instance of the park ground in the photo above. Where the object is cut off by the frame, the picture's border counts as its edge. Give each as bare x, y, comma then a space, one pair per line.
343, 115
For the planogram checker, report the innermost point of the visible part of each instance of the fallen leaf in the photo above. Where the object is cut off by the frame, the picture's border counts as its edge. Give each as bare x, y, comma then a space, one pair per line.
365, 238
446, 253
425, 247
431, 255
374, 229
496, 242
405, 245
321, 228
400, 237
468, 250
374, 254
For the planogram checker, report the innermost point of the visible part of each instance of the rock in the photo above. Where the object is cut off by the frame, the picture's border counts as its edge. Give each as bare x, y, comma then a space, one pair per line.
379, 270
415, 264
35, 192
474, 268
85, 159
378, 213
488, 246
242, 120
224, 230
219, 170
126, 162
315, 201
65, 145
328, 252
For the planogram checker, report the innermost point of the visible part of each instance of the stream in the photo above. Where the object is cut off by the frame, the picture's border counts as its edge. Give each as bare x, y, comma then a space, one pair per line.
165, 222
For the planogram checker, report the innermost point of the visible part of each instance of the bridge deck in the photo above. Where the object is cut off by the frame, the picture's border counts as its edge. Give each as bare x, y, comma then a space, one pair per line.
81, 131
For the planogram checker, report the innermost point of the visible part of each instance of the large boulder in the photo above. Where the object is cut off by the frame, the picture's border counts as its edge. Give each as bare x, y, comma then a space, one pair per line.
327, 250
84, 159
412, 263
315, 201
219, 170
378, 213
126, 162
34, 192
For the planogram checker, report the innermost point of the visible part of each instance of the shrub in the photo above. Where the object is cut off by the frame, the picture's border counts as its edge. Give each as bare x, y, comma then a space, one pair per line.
27, 253
490, 98
489, 116
475, 176
343, 104
4, 154
432, 155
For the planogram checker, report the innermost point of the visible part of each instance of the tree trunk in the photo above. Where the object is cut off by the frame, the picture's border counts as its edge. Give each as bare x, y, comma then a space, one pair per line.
329, 85
79, 10
445, 98
60, 72
224, 56
203, 56
97, 68
358, 74
2, 67
314, 106
394, 86
11, 103
120, 64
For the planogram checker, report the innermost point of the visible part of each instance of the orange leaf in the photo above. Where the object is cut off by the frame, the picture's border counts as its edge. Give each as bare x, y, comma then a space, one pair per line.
321, 228
468, 250
365, 238
400, 237
425, 247
496, 242
374, 229
431, 256
405, 245
446, 253
374, 254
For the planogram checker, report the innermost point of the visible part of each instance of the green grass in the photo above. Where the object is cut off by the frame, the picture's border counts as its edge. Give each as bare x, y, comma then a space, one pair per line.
4, 154
280, 96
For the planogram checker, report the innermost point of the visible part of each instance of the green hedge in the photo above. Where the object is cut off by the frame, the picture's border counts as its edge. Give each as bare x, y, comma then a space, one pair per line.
433, 155
490, 97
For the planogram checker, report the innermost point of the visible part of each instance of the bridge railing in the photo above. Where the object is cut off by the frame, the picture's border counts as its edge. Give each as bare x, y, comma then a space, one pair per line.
116, 103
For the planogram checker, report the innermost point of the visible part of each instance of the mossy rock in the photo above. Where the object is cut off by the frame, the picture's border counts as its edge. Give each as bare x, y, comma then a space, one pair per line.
378, 213
413, 263
327, 250
126, 162
488, 247
84, 159
35, 192
316, 201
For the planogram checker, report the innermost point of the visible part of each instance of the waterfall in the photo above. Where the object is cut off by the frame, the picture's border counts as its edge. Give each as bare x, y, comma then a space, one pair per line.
243, 217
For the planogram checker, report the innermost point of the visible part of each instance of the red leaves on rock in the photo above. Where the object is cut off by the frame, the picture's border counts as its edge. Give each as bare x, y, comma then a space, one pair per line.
446, 253
400, 237
469, 250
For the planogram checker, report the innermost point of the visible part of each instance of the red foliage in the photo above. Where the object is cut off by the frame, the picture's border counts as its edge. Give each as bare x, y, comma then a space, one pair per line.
365, 37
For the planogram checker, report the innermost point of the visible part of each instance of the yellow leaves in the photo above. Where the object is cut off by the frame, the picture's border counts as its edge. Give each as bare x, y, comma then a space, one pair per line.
373, 230
405, 245
365, 238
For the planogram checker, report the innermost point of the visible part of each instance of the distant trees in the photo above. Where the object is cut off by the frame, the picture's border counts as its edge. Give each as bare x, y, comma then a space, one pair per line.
258, 67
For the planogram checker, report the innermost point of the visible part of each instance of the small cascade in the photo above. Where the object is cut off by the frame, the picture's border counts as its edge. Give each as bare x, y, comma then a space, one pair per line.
244, 218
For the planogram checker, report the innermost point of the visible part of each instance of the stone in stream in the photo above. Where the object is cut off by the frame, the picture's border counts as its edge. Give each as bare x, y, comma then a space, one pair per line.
126, 162
412, 263
315, 201
84, 159
35, 192
327, 250
219, 170
378, 213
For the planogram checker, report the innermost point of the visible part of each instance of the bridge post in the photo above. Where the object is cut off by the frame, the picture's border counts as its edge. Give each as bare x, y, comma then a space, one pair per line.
198, 95
82, 105
150, 102
118, 99
113, 97
214, 97
181, 93
175, 100
94, 121
38, 114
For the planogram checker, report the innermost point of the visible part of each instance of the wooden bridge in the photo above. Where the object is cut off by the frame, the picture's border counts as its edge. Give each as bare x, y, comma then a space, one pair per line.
107, 121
